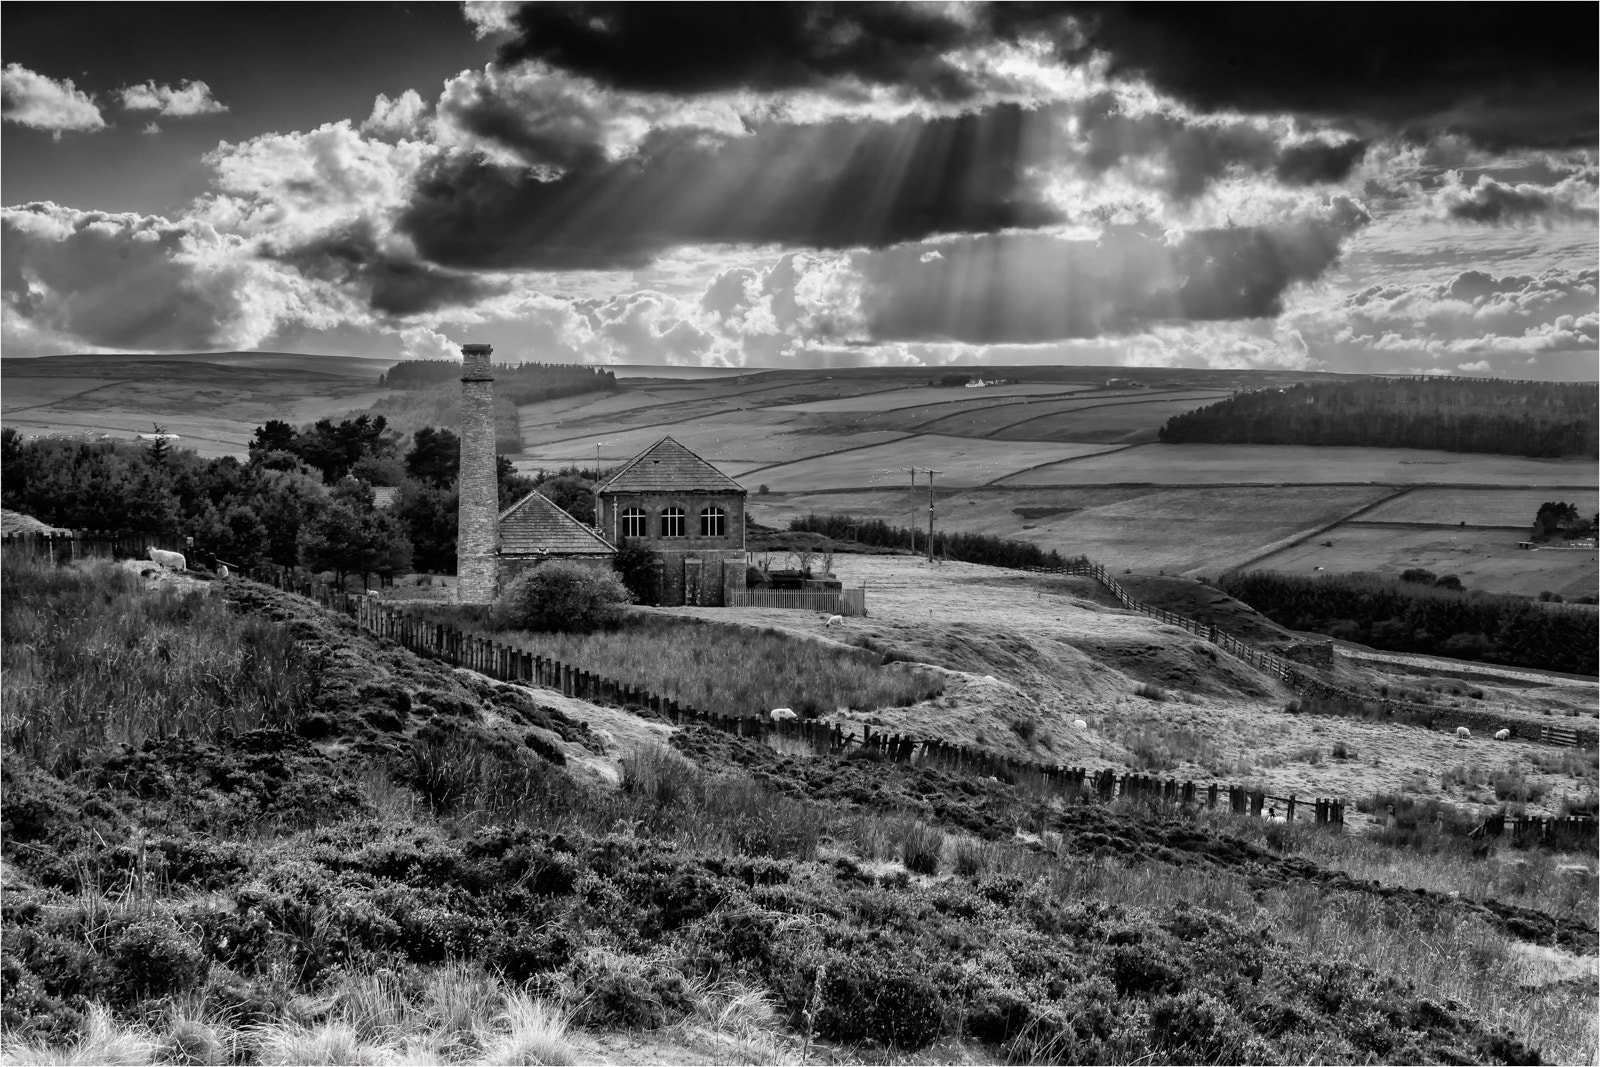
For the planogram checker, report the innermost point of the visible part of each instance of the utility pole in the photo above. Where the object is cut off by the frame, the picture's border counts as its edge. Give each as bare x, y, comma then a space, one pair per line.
597, 487
913, 472
931, 473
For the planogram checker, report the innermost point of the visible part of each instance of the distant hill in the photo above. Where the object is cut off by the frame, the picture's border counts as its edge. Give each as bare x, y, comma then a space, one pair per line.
114, 365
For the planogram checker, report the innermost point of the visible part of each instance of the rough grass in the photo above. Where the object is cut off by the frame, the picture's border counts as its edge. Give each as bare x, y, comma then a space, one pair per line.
92, 657
731, 670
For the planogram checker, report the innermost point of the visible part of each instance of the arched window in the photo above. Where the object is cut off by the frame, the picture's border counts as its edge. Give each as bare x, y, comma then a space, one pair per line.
672, 522
633, 523
713, 522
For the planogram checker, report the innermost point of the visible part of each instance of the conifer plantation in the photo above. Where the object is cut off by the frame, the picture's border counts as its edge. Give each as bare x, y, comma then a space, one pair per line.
1542, 419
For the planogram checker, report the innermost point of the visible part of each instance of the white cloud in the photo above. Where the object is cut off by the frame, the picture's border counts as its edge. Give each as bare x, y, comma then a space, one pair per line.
174, 101
151, 128
129, 281
406, 116
1480, 367
42, 103
489, 17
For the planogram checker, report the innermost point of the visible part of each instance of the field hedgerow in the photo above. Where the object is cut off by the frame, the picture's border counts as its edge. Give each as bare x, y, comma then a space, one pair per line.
729, 669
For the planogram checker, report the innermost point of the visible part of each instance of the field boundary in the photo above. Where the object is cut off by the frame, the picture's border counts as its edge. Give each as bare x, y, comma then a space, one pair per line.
1296, 540
1293, 675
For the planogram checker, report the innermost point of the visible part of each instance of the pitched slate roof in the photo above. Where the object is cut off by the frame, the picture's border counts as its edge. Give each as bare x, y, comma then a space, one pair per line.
533, 525
668, 467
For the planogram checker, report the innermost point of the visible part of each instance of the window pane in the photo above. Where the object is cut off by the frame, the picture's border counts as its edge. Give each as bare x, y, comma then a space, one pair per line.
712, 522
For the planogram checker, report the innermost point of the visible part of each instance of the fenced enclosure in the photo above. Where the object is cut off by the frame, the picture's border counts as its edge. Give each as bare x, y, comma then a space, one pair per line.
837, 602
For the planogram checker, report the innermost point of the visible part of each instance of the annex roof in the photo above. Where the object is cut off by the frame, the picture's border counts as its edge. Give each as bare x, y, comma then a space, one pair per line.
668, 467
534, 526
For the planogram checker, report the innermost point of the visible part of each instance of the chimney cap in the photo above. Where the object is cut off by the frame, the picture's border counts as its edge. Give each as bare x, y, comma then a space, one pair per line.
477, 350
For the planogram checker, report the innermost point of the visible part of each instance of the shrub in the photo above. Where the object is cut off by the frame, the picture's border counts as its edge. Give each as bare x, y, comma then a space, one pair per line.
1025, 729
1341, 750
636, 566
1149, 692
563, 596
1420, 575
920, 846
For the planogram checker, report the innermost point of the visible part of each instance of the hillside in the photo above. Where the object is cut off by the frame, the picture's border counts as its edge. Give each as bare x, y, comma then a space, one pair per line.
391, 860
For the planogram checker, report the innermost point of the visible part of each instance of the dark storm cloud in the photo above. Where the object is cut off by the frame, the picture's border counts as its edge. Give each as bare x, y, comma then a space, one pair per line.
1316, 162
1492, 72
1033, 288
700, 47
352, 259
832, 185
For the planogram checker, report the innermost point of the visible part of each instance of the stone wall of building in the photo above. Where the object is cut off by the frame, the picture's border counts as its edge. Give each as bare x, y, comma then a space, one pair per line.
1318, 654
700, 577
477, 526
612, 506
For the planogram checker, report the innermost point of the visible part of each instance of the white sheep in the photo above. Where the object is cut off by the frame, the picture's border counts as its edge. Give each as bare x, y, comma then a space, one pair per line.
1502, 735
222, 570
782, 714
168, 560
1080, 724
607, 738
834, 620
1463, 733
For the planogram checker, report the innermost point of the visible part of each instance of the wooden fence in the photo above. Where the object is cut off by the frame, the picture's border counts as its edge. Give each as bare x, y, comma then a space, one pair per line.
1570, 830
840, 602
1296, 677
509, 663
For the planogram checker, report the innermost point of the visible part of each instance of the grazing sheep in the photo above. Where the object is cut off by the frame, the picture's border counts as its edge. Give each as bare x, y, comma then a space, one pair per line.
1502, 735
222, 570
834, 620
1463, 732
990, 778
781, 714
168, 560
1080, 724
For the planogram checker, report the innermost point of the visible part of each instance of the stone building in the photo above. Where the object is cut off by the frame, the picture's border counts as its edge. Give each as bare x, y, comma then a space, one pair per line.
534, 531
687, 513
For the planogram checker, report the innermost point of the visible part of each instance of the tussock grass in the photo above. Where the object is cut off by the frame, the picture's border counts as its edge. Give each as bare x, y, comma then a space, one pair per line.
728, 669
674, 797
91, 657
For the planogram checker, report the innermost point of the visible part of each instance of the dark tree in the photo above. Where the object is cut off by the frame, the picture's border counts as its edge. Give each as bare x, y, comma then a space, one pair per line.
435, 457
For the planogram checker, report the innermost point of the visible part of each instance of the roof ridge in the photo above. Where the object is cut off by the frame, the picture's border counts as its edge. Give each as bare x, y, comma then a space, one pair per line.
680, 452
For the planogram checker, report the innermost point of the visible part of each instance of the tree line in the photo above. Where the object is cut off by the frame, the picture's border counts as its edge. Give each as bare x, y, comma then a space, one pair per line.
956, 545
1541, 419
1433, 616
521, 383
303, 496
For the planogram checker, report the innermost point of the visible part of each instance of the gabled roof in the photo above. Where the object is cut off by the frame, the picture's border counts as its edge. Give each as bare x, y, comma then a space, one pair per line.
534, 525
668, 467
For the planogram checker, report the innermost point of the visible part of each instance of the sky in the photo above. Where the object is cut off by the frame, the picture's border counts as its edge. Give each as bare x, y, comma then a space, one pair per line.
1357, 188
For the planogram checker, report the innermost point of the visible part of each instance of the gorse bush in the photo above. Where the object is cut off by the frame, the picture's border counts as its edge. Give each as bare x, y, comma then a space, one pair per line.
562, 596
92, 658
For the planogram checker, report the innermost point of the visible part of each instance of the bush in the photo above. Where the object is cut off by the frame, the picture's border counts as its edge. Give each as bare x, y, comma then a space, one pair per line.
562, 596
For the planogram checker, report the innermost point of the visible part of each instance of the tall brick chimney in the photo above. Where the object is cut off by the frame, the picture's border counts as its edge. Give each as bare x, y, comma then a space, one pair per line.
478, 519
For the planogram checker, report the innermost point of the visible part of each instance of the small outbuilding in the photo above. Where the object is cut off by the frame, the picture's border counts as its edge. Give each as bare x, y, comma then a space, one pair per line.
534, 531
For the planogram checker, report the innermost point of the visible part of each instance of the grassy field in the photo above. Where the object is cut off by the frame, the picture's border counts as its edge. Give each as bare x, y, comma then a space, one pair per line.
931, 396
1117, 421
214, 403
1289, 464
1203, 531
961, 461
1478, 507
1483, 558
